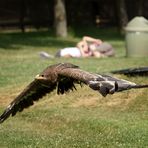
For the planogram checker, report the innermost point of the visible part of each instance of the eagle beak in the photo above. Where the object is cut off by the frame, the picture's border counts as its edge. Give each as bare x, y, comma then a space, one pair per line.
39, 77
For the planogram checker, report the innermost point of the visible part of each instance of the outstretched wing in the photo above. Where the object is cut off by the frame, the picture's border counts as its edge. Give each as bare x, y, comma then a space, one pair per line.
94, 81
103, 83
33, 92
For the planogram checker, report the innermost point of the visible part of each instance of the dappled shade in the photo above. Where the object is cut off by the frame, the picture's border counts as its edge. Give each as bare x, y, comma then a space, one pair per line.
140, 71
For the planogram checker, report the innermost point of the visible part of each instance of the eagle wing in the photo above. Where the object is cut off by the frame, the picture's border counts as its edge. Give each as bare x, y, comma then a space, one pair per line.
103, 83
64, 76
40, 87
94, 81
33, 92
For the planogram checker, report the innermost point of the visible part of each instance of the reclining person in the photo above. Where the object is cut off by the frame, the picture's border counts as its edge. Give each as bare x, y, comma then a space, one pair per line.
99, 48
81, 50
87, 47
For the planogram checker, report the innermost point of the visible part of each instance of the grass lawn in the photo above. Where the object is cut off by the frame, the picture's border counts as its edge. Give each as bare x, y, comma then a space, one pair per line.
79, 119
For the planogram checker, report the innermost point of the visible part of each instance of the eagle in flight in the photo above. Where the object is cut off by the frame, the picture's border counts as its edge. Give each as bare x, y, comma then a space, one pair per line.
64, 76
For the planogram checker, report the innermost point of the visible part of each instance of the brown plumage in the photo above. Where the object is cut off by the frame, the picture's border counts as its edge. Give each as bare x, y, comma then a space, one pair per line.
64, 76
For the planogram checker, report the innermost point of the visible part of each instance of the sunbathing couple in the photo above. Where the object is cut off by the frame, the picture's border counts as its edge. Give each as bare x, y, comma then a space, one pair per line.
88, 47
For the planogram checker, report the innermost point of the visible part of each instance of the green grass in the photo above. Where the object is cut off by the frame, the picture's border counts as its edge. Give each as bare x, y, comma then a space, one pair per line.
79, 119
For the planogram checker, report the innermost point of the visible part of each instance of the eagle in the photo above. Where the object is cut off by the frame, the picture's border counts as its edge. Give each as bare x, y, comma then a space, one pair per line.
64, 76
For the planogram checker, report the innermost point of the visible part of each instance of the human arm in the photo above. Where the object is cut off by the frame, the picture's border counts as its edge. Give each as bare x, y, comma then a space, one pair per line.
90, 39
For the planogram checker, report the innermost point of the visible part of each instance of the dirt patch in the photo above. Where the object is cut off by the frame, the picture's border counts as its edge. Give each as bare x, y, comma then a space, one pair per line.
85, 102
83, 97
7, 95
119, 100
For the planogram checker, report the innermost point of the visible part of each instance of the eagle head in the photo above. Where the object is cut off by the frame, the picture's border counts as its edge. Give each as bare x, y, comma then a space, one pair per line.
46, 77
41, 77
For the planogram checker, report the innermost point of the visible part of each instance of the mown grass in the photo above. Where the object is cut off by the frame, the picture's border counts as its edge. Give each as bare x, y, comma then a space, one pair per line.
78, 119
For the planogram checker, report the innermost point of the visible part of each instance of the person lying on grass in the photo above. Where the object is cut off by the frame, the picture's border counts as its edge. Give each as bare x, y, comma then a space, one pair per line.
87, 47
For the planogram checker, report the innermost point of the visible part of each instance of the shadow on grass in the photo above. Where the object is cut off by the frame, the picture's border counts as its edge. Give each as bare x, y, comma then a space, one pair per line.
47, 38
35, 39
105, 34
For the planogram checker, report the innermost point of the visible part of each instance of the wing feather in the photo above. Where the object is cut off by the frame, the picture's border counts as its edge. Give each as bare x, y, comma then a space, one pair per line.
65, 84
33, 92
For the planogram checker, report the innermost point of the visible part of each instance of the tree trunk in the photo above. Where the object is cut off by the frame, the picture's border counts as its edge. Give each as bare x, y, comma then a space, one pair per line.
122, 14
22, 15
60, 21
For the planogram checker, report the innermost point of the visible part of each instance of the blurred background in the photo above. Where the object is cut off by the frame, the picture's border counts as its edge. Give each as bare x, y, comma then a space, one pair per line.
63, 14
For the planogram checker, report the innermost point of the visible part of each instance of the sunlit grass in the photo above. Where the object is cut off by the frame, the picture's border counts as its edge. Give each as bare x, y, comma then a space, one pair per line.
82, 118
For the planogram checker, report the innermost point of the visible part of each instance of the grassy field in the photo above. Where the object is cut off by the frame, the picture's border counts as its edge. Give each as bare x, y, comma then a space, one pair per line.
79, 119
